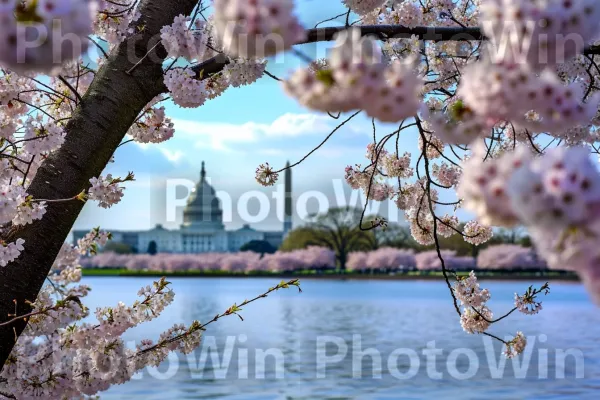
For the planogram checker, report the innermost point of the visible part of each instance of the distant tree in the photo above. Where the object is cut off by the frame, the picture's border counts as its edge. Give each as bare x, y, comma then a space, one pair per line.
394, 235
508, 235
525, 241
458, 244
118, 248
259, 246
338, 229
152, 248
299, 238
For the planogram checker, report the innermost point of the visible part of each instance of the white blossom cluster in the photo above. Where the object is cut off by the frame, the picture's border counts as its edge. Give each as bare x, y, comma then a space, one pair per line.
10, 251
11, 197
535, 32
50, 136
21, 22
446, 174
483, 186
457, 124
59, 357
78, 74
516, 345
516, 79
358, 78
32, 139
406, 13
26, 143
501, 92
265, 175
186, 90
556, 195
28, 211
527, 305
370, 179
153, 127
468, 292
106, 191
363, 7
477, 233
186, 39
257, 28
86, 245
241, 72
15, 92
112, 22
476, 317
448, 225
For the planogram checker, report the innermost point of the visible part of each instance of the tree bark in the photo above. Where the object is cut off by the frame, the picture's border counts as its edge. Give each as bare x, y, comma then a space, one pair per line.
100, 122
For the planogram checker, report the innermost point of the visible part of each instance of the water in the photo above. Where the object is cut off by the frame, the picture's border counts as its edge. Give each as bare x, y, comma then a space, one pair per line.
397, 320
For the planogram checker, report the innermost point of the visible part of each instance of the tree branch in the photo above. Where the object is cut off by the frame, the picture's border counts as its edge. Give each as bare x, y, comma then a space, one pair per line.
382, 32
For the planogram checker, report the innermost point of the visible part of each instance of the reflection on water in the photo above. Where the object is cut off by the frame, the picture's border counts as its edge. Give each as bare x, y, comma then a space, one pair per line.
362, 340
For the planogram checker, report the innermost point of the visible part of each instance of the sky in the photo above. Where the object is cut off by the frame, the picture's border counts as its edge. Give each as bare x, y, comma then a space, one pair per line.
235, 133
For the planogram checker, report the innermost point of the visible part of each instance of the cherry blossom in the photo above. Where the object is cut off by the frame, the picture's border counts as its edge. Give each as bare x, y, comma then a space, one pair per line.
495, 92
51, 136
153, 127
476, 320
29, 211
358, 78
527, 305
484, 185
363, 7
185, 89
256, 29
406, 13
447, 225
516, 345
10, 251
88, 244
265, 175
398, 167
468, 292
106, 190
14, 93
241, 72
186, 39
559, 189
476, 233
535, 32
112, 22
457, 125
53, 19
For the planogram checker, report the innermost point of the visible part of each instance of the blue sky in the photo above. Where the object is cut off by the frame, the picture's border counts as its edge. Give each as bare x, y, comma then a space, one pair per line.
235, 133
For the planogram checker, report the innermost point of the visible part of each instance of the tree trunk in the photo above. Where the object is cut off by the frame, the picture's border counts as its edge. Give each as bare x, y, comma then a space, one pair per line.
102, 119
342, 258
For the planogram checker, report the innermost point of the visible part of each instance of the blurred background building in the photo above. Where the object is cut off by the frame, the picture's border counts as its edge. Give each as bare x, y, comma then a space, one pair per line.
202, 230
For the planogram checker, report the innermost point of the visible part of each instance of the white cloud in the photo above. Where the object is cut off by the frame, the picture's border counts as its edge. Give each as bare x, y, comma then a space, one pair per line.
173, 156
220, 136
214, 134
298, 124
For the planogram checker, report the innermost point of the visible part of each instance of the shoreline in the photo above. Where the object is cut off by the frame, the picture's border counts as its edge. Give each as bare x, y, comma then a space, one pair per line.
429, 275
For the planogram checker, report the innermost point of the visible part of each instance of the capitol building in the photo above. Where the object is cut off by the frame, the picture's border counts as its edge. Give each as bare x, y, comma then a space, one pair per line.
202, 229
